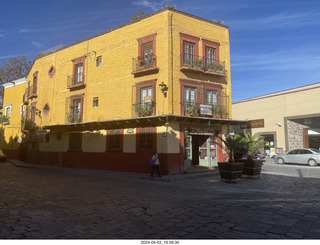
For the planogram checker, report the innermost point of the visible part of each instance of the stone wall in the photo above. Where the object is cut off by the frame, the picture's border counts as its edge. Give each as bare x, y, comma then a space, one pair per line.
295, 135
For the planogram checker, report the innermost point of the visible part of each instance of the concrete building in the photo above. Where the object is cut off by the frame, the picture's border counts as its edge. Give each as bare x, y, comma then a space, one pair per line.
287, 119
10, 127
157, 84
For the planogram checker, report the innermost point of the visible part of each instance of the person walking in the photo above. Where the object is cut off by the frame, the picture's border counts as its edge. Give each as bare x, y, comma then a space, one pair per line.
155, 165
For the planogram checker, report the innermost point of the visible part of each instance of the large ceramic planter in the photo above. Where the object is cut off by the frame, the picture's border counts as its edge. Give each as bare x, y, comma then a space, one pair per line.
252, 168
230, 172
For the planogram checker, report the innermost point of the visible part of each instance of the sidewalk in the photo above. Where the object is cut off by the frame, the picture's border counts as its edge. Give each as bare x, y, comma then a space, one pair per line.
193, 172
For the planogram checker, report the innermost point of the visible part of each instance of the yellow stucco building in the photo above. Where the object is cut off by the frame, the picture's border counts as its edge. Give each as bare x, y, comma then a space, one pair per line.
157, 84
11, 127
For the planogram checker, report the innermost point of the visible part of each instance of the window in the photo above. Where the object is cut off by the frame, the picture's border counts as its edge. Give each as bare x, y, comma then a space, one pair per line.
147, 54
114, 140
210, 57
211, 97
145, 100
79, 74
75, 142
21, 109
8, 111
99, 61
75, 115
210, 52
95, 102
188, 53
146, 139
51, 72
190, 98
33, 88
74, 108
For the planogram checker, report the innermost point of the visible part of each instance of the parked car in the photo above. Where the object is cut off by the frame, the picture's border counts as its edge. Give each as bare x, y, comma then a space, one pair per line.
255, 155
3, 157
304, 155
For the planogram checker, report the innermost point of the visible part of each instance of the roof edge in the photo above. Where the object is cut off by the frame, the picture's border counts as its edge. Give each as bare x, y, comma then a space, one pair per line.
129, 23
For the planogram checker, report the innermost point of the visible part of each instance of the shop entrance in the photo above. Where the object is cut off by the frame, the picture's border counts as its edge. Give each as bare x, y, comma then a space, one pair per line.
200, 150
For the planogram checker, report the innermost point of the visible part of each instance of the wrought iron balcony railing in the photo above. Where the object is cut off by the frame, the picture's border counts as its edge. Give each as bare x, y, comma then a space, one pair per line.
140, 64
144, 109
205, 110
76, 81
193, 62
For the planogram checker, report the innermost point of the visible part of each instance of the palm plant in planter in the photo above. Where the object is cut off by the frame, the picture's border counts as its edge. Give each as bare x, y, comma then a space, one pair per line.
252, 143
230, 171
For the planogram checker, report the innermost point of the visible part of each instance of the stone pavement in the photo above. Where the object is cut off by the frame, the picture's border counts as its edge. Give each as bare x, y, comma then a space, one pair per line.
49, 202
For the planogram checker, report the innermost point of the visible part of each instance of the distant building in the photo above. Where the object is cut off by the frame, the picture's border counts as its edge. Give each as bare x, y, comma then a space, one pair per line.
157, 84
10, 127
287, 119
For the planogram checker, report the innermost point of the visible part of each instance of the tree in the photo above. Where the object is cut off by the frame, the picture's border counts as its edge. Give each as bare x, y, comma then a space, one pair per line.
232, 143
14, 68
252, 143
140, 14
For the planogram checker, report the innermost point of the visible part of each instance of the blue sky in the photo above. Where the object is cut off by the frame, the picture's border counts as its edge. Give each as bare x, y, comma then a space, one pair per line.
274, 44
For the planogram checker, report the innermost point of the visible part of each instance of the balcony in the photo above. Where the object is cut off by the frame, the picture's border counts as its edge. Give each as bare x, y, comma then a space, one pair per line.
205, 110
141, 65
76, 82
26, 97
196, 64
32, 92
144, 109
191, 62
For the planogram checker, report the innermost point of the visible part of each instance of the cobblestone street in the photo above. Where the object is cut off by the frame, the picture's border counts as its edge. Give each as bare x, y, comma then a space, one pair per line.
43, 203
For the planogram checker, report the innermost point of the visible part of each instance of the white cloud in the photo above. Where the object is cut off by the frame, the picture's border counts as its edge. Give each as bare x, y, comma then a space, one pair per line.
278, 21
33, 30
2, 36
36, 44
154, 5
299, 59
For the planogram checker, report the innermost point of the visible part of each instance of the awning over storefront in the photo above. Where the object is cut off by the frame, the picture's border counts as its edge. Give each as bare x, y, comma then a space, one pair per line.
150, 121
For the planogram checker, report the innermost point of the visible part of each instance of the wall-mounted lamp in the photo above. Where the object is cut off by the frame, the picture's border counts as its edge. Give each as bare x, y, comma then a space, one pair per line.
163, 87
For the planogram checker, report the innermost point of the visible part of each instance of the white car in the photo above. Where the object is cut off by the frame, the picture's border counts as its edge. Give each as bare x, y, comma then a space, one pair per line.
304, 155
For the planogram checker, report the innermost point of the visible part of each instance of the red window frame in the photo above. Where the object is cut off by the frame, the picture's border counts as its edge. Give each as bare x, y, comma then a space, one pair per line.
210, 44
201, 87
76, 62
189, 39
72, 99
54, 71
115, 140
34, 83
146, 140
145, 84
145, 40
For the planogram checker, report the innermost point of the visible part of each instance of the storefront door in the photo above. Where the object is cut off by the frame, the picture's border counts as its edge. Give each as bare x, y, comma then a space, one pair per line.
200, 150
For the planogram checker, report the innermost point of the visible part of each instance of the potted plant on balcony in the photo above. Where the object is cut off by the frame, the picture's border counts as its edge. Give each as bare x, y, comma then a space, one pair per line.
216, 111
230, 171
143, 109
191, 109
252, 143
